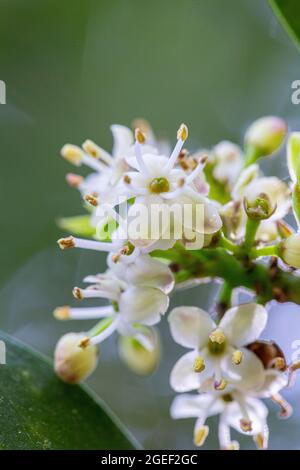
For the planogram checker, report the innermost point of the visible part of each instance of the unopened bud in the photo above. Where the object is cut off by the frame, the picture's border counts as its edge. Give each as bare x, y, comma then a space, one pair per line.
259, 208
293, 156
142, 359
72, 363
290, 250
264, 137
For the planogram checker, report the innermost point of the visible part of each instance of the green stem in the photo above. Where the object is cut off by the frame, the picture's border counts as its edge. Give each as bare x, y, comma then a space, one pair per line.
267, 282
271, 250
251, 229
224, 301
227, 244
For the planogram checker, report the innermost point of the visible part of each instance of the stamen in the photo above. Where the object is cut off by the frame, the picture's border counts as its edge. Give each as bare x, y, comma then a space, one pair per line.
77, 293
217, 336
279, 363
261, 439
73, 242
246, 425
233, 445
65, 243
74, 180
285, 408
182, 133
200, 435
62, 313
220, 384
127, 179
84, 343
181, 182
140, 136
199, 364
97, 152
90, 313
237, 357
105, 334
73, 154
92, 200
198, 169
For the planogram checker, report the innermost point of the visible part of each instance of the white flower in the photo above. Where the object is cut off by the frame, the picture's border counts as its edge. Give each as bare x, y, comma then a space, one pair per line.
250, 185
140, 301
240, 410
218, 351
156, 182
130, 264
228, 162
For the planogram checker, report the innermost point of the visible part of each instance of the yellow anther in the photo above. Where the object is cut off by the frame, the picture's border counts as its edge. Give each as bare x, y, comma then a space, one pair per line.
279, 363
246, 425
182, 133
74, 180
84, 343
91, 148
217, 336
65, 243
77, 293
72, 153
92, 200
127, 179
140, 136
234, 445
260, 441
62, 313
200, 435
220, 385
237, 357
199, 364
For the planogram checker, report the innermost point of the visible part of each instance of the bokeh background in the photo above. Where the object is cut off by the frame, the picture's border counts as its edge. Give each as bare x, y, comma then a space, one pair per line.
72, 68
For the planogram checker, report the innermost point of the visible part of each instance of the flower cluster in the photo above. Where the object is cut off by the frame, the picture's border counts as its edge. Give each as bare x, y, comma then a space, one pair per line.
167, 217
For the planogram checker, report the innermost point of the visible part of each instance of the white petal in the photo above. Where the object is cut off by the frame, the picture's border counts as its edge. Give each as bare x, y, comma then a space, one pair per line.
244, 324
247, 175
183, 378
248, 375
190, 326
257, 413
150, 272
274, 382
143, 305
195, 406
123, 140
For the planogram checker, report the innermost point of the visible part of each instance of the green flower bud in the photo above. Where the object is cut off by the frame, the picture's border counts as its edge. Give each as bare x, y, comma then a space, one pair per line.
140, 359
293, 156
259, 208
71, 363
296, 202
290, 250
264, 137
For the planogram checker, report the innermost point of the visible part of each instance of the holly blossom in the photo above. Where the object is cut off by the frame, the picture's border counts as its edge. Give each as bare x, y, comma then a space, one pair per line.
138, 302
156, 182
240, 410
218, 351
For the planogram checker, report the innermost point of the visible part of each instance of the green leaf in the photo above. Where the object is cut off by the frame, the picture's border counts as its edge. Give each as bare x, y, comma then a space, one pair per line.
288, 13
38, 411
78, 225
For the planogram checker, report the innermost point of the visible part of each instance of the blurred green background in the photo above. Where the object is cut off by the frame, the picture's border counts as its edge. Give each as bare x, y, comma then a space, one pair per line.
71, 69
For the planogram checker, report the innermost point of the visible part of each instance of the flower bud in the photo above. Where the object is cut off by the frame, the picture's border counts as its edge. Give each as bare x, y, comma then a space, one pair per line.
296, 202
259, 208
71, 363
264, 137
293, 156
290, 250
142, 359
